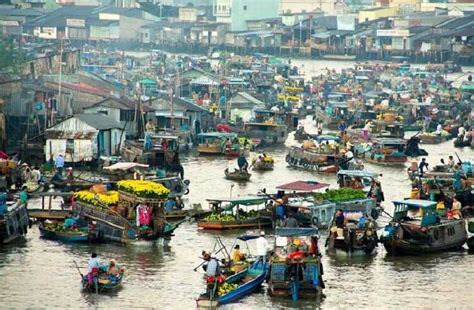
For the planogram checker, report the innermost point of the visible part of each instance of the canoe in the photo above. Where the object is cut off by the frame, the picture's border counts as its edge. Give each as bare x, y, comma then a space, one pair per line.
105, 282
248, 281
79, 235
237, 175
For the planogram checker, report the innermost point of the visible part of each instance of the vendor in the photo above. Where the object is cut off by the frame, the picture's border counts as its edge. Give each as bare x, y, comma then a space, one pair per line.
237, 256
70, 221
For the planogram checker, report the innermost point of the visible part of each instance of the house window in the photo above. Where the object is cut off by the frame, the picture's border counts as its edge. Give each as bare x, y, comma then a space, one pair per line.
104, 112
127, 115
69, 146
245, 8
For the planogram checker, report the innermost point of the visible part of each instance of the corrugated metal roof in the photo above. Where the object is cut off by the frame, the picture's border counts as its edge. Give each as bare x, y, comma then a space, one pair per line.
98, 121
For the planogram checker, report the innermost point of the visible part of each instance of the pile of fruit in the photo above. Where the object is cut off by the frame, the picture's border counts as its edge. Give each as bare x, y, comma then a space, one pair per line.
226, 288
144, 189
268, 159
110, 198
342, 194
59, 227
219, 217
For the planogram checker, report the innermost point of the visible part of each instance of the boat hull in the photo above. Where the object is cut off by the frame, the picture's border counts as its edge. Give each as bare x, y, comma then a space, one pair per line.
241, 291
447, 236
63, 236
223, 225
14, 224
237, 176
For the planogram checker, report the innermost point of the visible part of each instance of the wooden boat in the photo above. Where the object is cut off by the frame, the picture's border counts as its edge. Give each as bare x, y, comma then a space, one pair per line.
265, 164
50, 231
357, 238
246, 281
320, 213
14, 222
237, 175
339, 57
270, 127
325, 158
104, 282
214, 143
232, 216
422, 232
113, 227
431, 138
385, 151
295, 267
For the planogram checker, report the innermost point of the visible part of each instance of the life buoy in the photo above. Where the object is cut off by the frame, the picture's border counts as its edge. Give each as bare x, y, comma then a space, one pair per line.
315, 221
187, 191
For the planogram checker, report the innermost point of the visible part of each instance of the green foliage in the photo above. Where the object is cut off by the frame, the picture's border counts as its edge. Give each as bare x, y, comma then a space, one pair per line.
11, 57
343, 194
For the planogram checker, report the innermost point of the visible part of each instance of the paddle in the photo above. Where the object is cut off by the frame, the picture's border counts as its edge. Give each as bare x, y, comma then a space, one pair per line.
459, 159
79, 270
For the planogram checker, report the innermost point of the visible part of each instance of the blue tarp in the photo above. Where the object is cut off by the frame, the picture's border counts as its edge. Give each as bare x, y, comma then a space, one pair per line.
247, 237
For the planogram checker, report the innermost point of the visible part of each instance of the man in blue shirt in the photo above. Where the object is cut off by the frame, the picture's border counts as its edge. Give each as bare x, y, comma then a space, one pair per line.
59, 164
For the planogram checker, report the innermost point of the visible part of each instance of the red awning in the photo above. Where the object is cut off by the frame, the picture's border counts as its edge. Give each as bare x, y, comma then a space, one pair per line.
303, 186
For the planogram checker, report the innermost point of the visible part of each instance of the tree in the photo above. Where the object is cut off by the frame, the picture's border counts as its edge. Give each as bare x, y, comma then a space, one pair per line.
11, 58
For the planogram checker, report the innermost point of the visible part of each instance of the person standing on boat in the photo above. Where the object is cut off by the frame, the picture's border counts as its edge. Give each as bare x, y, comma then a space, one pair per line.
59, 164
92, 268
262, 247
280, 212
423, 166
242, 162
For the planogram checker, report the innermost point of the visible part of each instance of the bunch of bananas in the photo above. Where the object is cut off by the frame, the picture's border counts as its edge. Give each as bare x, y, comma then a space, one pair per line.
226, 288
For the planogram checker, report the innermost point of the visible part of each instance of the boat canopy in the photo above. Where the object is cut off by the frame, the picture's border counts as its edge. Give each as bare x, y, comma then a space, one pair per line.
427, 210
244, 200
125, 166
321, 138
247, 237
217, 135
416, 203
390, 141
358, 173
303, 186
294, 232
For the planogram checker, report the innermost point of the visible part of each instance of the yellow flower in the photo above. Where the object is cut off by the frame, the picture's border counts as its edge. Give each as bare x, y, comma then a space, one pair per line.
145, 189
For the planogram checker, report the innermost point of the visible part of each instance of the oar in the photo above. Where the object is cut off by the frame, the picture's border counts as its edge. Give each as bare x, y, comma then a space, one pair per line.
79, 270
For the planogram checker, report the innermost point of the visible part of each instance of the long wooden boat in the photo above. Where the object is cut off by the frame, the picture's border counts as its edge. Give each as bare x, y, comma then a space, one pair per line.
254, 222
313, 160
247, 281
76, 235
14, 223
226, 215
296, 271
385, 151
432, 138
424, 234
237, 175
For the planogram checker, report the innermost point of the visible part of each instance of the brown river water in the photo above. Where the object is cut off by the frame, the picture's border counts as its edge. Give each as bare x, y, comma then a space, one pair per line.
38, 273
